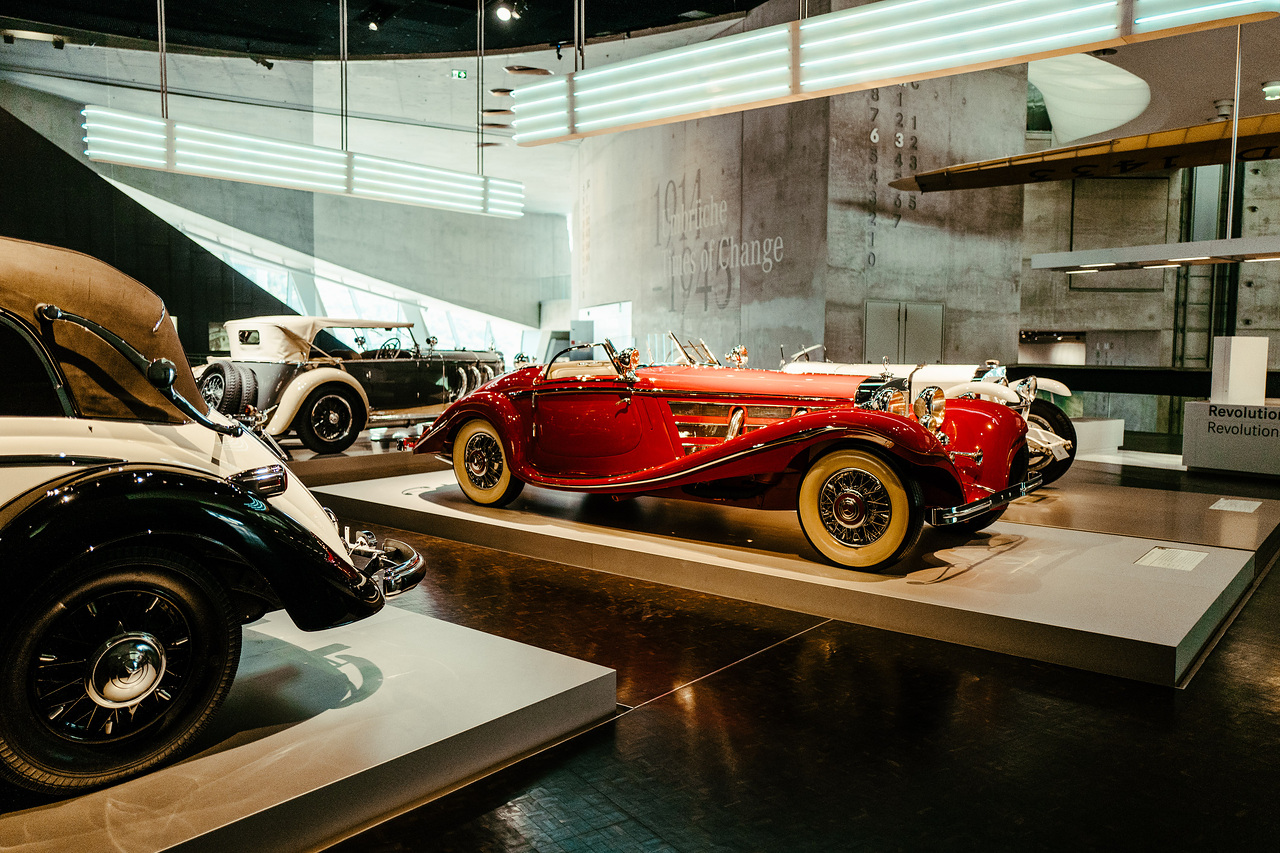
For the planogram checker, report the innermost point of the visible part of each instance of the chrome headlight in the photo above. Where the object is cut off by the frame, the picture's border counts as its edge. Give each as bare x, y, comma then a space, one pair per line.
890, 400
930, 408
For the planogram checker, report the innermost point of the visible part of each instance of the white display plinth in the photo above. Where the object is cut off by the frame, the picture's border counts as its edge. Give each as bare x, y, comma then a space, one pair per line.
330, 731
1098, 435
1239, 371
1066, 596
1225, 437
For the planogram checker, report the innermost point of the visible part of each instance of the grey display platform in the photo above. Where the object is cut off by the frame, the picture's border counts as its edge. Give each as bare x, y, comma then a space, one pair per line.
1081, 598
328, 732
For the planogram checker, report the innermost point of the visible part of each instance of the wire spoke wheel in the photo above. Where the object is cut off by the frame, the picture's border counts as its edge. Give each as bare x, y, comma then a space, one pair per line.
331, 418
858, 511
854, 507
213, 389
483, 460
480, 464
1046, 416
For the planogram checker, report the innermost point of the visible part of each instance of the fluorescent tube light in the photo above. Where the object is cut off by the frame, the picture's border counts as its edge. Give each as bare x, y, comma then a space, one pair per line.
846, 51
114, 136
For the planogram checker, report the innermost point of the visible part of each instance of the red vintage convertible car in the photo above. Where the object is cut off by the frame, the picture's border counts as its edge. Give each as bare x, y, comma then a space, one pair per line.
862, 468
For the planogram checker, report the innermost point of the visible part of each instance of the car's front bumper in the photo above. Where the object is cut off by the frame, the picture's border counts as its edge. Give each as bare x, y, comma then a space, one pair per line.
398, 568
939, 516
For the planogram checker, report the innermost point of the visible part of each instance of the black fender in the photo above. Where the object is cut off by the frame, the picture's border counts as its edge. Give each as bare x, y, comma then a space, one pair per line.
190, 511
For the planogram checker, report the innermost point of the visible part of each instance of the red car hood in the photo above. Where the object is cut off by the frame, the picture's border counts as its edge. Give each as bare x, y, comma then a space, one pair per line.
759, 383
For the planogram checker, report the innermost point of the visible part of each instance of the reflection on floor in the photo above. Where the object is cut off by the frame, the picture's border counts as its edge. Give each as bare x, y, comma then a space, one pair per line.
759, 729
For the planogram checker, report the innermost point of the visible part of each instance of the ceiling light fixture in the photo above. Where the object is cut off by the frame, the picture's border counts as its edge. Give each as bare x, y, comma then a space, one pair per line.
863, 47
376, 15
507, 11
527, 70
28, 35
129, 139
1271, 91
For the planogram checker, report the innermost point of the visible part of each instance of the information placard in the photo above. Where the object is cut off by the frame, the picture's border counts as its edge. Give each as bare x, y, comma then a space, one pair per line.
1228, 437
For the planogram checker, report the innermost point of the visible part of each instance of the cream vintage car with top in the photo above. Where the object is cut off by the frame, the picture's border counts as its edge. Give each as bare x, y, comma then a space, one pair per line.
138, 531
327, 378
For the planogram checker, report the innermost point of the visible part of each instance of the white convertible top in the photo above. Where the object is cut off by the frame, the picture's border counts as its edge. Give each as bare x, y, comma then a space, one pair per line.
287, 337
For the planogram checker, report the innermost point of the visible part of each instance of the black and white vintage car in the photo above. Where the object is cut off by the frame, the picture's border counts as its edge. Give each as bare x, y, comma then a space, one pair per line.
138, 532
298, 375
1051, 438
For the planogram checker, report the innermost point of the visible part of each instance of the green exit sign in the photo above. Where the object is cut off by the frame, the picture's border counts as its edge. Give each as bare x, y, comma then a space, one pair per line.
458, 74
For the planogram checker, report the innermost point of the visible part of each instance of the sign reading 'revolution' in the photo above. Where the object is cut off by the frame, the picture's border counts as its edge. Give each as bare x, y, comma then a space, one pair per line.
1231, 438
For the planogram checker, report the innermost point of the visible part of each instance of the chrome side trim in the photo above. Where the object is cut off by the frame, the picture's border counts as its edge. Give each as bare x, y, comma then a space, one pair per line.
796, 438
678, 395
939, 516
41, 460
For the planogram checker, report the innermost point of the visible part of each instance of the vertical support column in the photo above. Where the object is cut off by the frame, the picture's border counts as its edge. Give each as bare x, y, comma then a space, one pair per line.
794, 57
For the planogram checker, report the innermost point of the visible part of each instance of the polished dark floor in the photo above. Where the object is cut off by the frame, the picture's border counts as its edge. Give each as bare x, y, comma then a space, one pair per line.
754, 729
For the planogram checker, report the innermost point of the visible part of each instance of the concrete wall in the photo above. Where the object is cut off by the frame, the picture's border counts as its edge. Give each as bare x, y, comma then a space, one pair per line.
1070, 215
665, 213
1258, 307
712, 229
958, 249
503, 267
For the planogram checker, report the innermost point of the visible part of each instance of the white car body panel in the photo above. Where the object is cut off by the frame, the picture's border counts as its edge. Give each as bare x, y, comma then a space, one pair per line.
986, 390
944, 375
1053, 386
187, 445
297, 391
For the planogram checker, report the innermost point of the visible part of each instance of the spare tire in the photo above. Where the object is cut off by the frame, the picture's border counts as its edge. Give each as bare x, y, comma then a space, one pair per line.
228, 387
